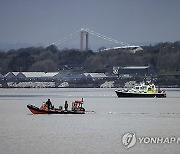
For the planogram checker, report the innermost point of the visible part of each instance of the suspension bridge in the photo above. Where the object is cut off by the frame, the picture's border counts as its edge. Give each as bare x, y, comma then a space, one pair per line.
84, 39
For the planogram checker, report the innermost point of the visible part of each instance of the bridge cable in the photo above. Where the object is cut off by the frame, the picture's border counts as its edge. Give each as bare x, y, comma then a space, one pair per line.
106, 38
66, 38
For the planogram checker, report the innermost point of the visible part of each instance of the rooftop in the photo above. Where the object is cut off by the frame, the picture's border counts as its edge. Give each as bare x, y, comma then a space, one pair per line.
135, 67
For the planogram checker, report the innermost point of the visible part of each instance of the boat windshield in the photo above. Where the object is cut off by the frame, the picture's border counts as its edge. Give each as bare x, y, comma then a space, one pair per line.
140, 88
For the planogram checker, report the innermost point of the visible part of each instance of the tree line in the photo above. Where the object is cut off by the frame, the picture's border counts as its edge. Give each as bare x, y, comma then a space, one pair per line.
163, 56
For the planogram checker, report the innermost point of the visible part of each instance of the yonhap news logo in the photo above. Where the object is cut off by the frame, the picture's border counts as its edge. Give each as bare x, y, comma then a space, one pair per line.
130, 139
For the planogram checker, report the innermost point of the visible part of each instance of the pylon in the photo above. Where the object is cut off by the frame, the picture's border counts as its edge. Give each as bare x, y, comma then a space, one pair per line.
84, 40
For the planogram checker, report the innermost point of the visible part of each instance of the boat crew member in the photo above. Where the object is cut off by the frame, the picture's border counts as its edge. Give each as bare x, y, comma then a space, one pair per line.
49, 104
74, 106
66, 106
43, 107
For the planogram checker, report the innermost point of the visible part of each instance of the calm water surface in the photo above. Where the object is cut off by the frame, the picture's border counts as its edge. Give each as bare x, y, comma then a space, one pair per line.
95, 132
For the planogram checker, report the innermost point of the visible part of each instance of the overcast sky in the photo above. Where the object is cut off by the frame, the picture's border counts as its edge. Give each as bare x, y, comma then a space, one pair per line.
46, 21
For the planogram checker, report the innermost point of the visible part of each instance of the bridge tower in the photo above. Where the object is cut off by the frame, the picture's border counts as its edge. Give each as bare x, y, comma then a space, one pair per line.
84, 40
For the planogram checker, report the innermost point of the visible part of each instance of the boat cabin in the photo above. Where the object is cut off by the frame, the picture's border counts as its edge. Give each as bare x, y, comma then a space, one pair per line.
78, 104
144, 88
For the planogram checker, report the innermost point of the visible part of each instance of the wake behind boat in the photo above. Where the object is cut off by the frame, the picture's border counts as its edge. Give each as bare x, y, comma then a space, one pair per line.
142, 90
77, 108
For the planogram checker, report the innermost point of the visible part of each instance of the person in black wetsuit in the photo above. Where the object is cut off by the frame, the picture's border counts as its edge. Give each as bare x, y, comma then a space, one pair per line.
66, 106
49, 104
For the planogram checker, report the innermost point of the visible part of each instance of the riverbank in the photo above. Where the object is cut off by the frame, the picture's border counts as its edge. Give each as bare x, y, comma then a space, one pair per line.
106, 84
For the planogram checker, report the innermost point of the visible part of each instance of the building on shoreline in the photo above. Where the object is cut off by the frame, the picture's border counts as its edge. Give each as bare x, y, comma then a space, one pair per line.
134, 70
69, 76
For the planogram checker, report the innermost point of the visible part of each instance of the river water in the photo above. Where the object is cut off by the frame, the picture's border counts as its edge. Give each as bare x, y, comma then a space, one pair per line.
94, 132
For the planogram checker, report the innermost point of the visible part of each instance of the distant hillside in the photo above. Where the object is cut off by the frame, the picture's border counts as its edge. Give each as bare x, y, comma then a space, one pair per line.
164, 56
